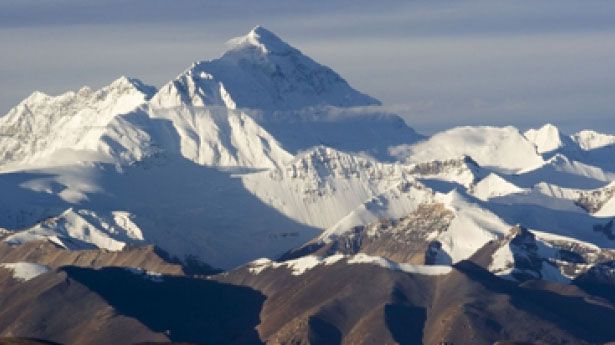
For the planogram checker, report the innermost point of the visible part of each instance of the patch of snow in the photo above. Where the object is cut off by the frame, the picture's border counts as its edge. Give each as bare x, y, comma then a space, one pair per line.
150, 275
502, 262
25, 270
608, 209
362, 258
301, 265
546, 256
297, 266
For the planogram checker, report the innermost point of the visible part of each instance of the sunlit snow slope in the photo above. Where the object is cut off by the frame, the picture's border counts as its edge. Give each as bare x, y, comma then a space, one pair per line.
263, 150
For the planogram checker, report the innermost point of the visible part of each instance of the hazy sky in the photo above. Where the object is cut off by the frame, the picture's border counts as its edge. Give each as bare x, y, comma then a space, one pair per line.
437, 63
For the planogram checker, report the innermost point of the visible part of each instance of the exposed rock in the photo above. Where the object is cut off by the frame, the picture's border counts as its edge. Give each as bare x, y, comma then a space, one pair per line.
410, 239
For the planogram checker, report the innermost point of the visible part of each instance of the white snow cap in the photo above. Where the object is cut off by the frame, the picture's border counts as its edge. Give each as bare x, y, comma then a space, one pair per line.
261, 38
260, 71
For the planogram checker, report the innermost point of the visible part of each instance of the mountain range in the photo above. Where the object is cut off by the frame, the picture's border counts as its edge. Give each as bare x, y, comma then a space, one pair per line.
259, 198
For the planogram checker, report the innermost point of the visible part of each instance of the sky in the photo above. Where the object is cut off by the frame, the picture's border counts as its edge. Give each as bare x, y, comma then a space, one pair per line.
438, 64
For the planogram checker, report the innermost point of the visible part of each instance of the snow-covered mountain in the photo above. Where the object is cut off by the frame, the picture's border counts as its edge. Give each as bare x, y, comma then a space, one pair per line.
43, 129
263, 151
268, 165
260, 71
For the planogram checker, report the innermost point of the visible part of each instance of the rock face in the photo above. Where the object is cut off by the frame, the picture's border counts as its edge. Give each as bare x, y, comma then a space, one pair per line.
522, 256
410, 239
46, 253
346, 300
366, 303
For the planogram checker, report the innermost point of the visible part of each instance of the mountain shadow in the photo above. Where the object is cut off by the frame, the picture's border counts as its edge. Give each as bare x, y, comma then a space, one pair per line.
591, 322
405, 321
188, 310
598, 283
322, 332
21, 205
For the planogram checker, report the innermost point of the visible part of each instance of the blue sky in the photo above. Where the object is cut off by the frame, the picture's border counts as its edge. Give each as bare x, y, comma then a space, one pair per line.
437, 63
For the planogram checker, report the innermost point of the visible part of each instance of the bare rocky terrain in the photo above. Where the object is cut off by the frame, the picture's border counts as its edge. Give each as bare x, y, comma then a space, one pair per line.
340, 302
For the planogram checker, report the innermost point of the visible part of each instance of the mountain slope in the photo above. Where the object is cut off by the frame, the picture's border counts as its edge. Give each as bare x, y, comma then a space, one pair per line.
333, 301
54, 129
265, 132
260, 71
501, 148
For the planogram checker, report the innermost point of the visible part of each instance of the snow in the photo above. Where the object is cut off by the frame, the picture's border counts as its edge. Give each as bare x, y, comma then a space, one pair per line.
546, 252
547, 138
550, 237
564, 172
25, 270
260, 71
297, 266
471, 228
392, 204
259, 265
502, 262
431, 270
42, 128
322, 185
263, 149
262, 39
76, 229
503, 148
590, 140
494, 186
301, 265
146, 274
608, 209
217, 136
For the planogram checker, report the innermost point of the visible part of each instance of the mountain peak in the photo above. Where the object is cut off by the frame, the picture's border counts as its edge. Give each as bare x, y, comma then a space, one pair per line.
546, 139
262, 39
36, 96
260, 71
122, 81
128, 83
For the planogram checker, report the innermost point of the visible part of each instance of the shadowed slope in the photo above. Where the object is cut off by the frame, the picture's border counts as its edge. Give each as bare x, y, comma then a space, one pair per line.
187, 310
